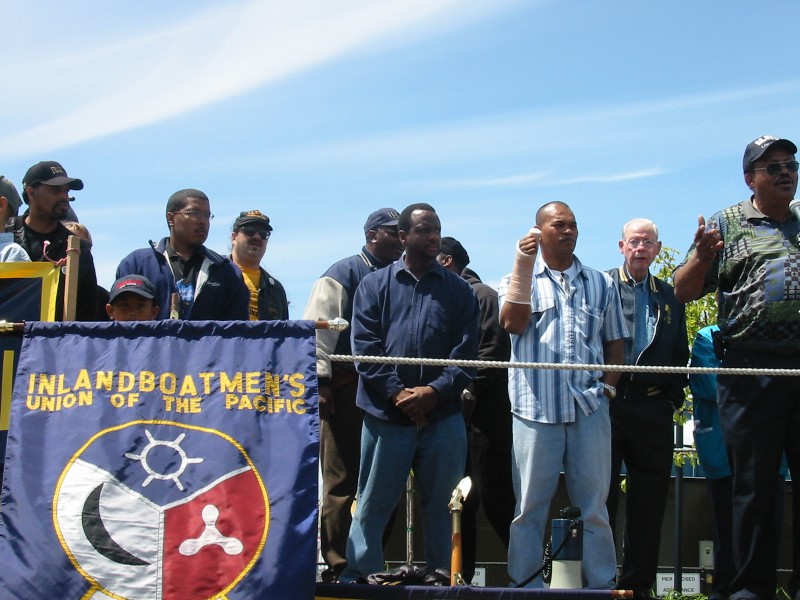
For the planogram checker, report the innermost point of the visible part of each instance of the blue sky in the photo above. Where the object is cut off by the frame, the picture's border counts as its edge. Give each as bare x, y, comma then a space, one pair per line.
318, 112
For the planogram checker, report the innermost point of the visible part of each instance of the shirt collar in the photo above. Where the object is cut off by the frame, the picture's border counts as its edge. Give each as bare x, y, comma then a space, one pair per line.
539, 267
435, 269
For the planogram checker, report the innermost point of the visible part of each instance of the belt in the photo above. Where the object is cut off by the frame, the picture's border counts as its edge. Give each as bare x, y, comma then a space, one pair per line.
633, 391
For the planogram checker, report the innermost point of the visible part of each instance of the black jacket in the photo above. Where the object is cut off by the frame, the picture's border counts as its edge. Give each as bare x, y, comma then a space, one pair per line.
86, 304
490, 385
669, 347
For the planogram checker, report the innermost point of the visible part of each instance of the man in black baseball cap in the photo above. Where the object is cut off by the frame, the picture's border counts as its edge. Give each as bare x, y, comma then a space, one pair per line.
747, 255
757, 148
45, 188
48, 172
249, 239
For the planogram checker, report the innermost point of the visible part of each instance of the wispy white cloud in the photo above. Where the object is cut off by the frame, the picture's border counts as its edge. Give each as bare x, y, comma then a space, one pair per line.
156, 74
614, 178
691, 123
537, 179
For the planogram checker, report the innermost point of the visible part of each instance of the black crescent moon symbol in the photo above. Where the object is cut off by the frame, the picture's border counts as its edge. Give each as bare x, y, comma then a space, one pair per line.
98, 535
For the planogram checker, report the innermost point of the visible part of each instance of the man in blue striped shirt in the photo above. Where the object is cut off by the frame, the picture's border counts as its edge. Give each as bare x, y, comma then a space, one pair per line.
559, 311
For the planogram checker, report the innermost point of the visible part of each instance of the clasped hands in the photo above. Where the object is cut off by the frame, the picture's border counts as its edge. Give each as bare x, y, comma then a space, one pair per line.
416, 402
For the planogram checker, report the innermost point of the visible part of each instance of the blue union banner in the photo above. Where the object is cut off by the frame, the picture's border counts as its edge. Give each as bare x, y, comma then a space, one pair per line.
167, 460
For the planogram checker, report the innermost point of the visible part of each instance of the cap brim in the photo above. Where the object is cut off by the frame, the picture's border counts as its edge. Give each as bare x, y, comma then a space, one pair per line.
74, 184
253, 222
782, 143
131, 290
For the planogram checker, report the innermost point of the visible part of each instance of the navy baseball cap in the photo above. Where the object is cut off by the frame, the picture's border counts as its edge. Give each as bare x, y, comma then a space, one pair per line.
757, 148
383, 217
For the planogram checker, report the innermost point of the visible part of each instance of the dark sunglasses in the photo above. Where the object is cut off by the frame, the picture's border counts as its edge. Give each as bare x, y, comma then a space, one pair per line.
773, 169
251, 231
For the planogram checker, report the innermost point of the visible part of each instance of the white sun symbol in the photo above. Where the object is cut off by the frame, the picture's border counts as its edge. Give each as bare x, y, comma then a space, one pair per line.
174, 445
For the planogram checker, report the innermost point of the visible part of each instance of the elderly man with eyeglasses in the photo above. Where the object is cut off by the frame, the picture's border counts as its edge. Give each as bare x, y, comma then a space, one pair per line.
208, 286
749, 255
249, 238
642, 429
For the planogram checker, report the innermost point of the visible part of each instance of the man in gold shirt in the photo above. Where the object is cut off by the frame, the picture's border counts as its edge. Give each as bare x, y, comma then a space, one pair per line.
249, 239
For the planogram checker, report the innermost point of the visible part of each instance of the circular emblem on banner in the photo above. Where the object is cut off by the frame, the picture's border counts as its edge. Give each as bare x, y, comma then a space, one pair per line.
157, 509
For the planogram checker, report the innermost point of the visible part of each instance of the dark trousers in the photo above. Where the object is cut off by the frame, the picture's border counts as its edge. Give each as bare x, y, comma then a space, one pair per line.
760, 417
339, 456
720, 492
489, 465
642, 435
340, 450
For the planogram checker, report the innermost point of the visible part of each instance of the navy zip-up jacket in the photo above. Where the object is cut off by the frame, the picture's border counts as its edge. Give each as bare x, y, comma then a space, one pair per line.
220, 294
394, 314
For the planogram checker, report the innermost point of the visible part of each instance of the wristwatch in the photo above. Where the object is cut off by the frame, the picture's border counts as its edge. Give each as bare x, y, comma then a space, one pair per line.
612, 391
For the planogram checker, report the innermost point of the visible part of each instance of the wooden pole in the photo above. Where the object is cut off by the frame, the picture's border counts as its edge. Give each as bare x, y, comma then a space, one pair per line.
174, 306
71, 282
455, 548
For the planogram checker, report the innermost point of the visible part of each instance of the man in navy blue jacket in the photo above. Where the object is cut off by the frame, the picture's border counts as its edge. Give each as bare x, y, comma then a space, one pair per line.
412, 413
340, 418
207, 284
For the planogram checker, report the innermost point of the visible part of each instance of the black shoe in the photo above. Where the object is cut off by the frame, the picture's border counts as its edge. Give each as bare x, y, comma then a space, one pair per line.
330, 575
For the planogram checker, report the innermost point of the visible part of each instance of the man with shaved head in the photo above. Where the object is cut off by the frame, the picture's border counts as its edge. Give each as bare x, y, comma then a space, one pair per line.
559, 311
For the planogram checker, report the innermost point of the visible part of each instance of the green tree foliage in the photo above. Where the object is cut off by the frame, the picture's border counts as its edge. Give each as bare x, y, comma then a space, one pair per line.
699, 314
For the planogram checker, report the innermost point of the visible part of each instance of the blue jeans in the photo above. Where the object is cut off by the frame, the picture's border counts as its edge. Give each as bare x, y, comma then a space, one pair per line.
583, 448
437, 452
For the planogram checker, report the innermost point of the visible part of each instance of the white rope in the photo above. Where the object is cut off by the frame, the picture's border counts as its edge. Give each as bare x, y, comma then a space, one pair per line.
496, 364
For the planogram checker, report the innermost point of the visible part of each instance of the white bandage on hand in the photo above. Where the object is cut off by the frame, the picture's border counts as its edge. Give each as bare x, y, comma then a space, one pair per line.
519, 285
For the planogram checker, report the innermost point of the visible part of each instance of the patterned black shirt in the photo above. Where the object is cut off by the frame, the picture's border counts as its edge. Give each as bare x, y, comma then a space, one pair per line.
757, 273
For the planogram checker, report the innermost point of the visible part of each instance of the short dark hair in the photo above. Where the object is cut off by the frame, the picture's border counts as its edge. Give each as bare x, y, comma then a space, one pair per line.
541, 211
181, 198
404, 221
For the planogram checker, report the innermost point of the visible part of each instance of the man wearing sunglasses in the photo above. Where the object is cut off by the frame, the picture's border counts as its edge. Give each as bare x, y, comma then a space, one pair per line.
207, 286
749, 254
249, 239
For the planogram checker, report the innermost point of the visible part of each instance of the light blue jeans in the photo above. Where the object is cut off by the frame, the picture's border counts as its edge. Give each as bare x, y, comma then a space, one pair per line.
437, 452
583, 448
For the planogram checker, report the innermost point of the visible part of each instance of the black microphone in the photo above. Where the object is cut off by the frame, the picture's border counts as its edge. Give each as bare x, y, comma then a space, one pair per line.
794, 206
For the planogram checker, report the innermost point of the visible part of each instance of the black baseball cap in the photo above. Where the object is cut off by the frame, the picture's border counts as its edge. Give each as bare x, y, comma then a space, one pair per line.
757, 148
454, 248
136, 284
252, 217
48, 172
